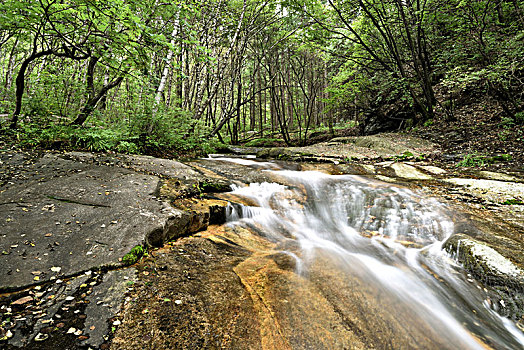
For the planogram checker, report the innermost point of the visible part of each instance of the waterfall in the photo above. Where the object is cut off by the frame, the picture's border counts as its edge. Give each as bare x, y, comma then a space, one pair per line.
387, 238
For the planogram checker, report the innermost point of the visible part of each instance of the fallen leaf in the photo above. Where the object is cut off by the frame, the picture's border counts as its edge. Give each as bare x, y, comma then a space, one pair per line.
22, 301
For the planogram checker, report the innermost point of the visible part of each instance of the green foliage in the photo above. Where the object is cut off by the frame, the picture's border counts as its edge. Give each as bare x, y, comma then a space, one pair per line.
407, 155
472, 160
126, 147
95, 139
98, 140
476, 160
428, 123
513, 202
519, 118
171, 129
134, 255
500, 158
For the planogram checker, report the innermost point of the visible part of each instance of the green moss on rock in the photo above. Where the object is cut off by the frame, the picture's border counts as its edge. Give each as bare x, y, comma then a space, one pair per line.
134, 255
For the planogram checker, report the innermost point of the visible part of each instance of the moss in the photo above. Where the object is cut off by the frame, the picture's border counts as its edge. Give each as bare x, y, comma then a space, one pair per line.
263, 142
133, 256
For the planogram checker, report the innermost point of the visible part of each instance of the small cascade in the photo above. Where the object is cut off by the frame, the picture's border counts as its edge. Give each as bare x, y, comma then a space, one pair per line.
387, 237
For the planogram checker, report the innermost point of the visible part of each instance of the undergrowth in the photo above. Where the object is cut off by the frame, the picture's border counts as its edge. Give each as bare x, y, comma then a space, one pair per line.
170, 135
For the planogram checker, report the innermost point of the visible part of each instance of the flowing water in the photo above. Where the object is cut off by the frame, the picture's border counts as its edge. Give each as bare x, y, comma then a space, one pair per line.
384, 242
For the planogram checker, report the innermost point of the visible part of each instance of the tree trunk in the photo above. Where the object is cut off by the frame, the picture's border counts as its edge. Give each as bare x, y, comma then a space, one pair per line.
20, 83
165, 72
92, 102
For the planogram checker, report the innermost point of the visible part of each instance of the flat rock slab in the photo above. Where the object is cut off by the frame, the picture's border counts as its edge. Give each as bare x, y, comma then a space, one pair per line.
62, 217
362, 147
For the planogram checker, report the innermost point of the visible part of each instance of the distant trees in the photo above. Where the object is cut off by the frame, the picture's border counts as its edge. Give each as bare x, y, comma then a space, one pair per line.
248, 69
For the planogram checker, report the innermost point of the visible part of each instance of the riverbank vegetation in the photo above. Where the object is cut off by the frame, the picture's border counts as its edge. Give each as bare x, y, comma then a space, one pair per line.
183, 77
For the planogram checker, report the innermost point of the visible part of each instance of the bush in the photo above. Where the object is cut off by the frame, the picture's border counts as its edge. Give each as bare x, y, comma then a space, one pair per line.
171, 129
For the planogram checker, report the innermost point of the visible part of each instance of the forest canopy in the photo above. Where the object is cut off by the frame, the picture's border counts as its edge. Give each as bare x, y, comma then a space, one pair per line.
146, 75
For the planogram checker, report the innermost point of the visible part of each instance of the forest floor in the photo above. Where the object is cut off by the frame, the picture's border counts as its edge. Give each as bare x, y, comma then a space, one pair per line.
479, 129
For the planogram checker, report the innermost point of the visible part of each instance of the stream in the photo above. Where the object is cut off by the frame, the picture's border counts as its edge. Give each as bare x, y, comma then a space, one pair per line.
374, 250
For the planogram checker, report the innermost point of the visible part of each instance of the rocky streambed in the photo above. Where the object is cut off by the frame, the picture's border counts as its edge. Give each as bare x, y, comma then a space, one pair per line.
69, 221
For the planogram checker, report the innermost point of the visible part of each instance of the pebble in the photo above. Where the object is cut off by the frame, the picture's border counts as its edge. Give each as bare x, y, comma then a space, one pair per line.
178, 301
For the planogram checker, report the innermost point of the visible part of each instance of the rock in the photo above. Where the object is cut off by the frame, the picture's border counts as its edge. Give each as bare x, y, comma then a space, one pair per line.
111, 292
164, 167
492, 190
177, 225
409, 172
386, 145
433, 169
191, 216
88, 194
493, 269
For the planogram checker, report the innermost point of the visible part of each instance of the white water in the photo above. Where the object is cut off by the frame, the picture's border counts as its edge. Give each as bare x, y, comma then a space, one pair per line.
366, 226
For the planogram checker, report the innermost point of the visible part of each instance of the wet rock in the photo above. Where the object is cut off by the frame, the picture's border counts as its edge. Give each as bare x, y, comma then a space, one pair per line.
493, 269
191, 216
